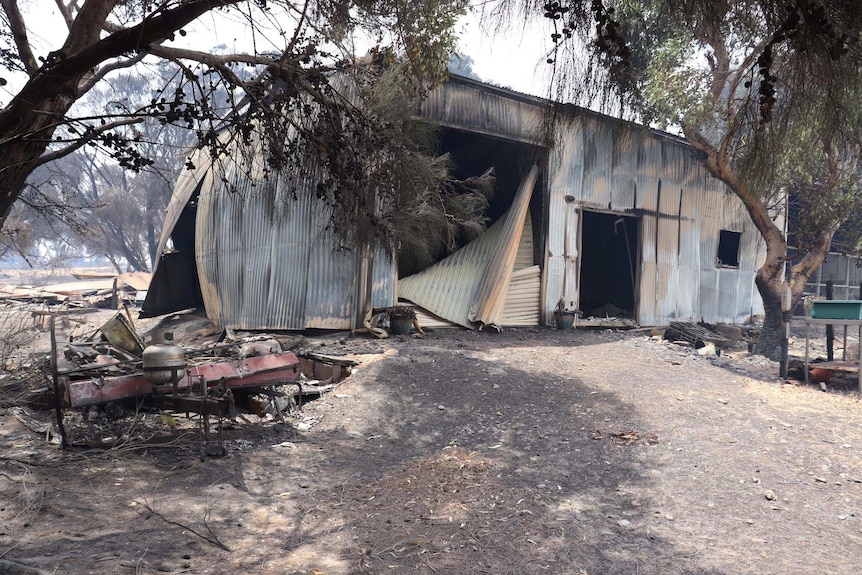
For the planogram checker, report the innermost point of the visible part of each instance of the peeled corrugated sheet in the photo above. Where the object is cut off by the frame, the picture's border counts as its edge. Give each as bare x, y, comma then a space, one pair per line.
469, 287
427, 319
522, 299
524, 258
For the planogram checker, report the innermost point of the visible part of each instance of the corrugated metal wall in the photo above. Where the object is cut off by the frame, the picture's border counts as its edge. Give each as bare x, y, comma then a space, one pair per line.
470, 286
612, 166
265, 268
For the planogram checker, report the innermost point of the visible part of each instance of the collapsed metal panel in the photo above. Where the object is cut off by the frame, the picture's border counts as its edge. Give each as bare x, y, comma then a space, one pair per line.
469, 287
523, 298
490, 298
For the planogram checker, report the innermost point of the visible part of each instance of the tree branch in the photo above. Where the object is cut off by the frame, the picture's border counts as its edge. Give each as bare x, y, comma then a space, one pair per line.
19, 33
212, 539
87, 25
85, 139
66, 12
63, 75
215, 59
719, 167
100, 74
218, 62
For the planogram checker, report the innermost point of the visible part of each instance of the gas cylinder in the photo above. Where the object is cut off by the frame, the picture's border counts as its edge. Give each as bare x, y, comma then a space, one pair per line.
163, 360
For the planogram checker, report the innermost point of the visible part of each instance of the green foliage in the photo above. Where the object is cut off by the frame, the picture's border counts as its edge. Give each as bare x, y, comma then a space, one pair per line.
676, 87
769, 90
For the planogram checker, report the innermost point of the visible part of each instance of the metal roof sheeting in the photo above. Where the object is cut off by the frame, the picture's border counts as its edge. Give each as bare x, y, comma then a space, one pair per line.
459, 104
469, 287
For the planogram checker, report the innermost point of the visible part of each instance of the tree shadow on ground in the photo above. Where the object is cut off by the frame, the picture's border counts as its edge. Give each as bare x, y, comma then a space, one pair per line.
466, 453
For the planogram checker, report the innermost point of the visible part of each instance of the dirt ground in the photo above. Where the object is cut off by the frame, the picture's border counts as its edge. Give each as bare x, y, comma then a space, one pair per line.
529, 451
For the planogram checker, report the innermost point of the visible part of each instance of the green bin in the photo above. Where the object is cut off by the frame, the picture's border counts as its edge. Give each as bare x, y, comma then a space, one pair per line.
837, 309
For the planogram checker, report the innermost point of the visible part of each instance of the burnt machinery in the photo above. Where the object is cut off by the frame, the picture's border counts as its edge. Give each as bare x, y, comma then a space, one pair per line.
117, 365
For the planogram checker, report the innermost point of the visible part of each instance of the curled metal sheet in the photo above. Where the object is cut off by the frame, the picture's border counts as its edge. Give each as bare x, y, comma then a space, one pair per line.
469, 287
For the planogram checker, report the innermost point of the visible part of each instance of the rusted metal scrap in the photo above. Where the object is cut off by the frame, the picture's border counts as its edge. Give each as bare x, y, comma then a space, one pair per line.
201, 380
272, 369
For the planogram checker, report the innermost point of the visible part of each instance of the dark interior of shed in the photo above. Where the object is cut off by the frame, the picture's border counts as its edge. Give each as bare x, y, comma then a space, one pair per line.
609, 248
473, 154
175, 285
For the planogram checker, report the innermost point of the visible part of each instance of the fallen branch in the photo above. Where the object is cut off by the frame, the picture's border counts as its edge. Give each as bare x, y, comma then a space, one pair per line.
12, 568
212, 539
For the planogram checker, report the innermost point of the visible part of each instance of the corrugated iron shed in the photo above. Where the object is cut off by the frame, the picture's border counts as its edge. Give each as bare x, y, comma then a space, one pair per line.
282, 270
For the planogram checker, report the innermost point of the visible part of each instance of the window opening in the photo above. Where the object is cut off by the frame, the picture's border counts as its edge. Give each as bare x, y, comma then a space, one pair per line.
728, 249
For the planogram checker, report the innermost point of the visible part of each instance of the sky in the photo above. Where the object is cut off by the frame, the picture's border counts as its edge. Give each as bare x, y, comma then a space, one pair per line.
513, 58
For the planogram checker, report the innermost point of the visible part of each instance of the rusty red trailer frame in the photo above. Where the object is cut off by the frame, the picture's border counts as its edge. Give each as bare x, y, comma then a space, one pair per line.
272, 369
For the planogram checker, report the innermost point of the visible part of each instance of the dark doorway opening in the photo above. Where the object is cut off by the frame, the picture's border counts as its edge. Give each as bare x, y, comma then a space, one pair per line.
608, 276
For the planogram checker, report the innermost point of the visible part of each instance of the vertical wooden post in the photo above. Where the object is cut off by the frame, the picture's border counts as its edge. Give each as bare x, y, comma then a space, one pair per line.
830, 331
58, 393
786, 299
114, 299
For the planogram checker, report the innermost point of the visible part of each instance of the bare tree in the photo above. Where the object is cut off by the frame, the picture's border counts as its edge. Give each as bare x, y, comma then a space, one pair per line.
306, 41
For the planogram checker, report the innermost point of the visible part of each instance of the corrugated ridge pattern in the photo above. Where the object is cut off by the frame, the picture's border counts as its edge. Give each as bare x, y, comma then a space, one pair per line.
523, 298
465, 107
487, 308
266, 260
458, 288
524, 257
